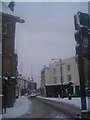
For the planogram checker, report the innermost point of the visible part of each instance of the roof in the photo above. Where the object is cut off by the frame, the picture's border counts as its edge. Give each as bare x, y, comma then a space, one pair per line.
45, 68
6, 10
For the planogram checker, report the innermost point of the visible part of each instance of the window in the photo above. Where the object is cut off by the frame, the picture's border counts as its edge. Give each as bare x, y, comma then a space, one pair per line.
54, 70
69, 78
5, 29
68, 67
57, 65
55, 80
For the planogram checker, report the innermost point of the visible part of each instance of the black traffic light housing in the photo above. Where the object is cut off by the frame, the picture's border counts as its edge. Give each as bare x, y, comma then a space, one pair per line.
81, 22
83, 19
82, 37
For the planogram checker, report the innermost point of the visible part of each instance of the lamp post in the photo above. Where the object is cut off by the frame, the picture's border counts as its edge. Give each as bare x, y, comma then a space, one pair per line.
61, 78
18, 20
61, 71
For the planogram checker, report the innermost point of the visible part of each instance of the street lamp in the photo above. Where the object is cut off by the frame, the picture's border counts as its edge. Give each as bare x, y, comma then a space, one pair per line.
4, 27
21, 20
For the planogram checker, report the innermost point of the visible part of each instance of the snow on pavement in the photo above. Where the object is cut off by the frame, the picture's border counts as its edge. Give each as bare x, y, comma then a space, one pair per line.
21, 106
74, 101
0, 117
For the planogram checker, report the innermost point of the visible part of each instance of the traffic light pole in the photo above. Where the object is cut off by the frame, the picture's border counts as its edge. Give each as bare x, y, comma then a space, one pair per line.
88, 74
82, 79
81, 21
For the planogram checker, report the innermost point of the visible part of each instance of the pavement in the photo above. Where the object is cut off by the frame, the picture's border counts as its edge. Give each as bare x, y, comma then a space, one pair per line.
21, 107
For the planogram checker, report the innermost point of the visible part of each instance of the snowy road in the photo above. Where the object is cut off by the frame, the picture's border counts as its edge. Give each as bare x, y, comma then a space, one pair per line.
42, 109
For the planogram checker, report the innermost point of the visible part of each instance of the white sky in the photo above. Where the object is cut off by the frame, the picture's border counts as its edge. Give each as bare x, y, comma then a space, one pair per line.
48, 32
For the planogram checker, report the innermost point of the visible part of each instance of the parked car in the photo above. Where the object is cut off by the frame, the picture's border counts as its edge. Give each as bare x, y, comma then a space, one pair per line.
26, 94
32, 95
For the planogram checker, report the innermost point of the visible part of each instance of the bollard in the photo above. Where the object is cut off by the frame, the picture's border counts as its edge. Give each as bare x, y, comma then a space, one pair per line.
69, 96
58, 96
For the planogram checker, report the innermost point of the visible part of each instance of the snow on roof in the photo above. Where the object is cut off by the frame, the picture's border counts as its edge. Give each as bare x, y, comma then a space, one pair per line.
6, 10
53, 84
65, 83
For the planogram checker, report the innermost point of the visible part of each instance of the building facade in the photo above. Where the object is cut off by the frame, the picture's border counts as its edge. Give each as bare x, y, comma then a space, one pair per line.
44, 80
89, 47
9, 57
89, 65
60, 76
0, 60
25, 85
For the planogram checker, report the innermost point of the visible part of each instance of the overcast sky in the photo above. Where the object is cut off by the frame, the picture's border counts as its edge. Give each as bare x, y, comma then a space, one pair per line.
48, 32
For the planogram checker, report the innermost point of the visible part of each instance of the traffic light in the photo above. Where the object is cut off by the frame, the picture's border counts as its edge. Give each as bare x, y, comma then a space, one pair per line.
77, 48
76, 22
82, 24
77, 34
83, 19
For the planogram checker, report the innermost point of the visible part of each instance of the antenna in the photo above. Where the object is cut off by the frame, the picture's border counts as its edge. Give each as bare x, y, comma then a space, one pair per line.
21, 67
31, 72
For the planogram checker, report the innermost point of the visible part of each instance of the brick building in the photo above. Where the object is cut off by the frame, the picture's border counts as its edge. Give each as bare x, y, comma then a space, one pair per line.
0, 60
9, 57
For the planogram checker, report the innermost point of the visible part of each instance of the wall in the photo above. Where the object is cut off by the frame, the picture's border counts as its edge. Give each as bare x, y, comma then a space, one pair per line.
88, 107
8, 56
89, 45
8, 45
0, 61
73, 70
54, 71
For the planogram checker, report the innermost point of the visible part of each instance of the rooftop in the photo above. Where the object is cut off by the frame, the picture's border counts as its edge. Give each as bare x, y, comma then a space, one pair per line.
6, 10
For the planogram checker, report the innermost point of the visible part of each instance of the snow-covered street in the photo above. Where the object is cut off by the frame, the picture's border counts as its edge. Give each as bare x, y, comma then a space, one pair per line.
23, 105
